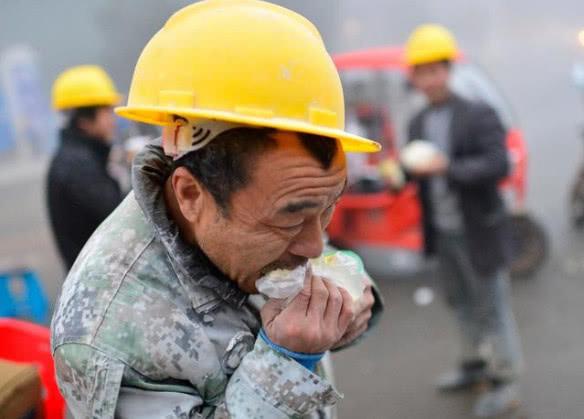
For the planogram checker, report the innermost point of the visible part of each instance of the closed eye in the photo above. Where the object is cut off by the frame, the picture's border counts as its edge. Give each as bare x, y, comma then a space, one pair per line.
292, 228
296, 227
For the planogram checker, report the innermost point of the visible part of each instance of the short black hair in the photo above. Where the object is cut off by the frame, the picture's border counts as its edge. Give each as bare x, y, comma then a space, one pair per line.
323, 149
83, 112
446, 62
224, 165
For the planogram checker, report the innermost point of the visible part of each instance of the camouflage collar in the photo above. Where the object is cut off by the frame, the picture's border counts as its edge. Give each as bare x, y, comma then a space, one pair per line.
205, 285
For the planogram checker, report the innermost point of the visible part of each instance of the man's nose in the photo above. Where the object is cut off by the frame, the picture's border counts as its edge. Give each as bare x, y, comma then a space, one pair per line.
309, 243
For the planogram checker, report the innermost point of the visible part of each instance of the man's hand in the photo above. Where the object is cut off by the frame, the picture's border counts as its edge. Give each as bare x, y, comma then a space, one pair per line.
437, 166
314, 321
363, 314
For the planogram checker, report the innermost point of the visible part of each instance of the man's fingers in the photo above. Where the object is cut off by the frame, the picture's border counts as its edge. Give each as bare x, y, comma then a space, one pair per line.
351, 336
347, 314
270, 310
318, 298
361, 319
368, 299
360, 323
303, 298
334, 303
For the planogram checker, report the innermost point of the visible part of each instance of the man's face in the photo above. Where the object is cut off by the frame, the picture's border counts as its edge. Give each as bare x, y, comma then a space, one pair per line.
278, 219
103, 126
432, 80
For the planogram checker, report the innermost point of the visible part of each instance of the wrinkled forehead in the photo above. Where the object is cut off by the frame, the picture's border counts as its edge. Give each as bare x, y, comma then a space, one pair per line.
295, 167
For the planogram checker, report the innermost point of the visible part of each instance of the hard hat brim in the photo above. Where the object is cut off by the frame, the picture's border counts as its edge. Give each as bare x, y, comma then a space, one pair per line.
160, 116
429, 58
103, 100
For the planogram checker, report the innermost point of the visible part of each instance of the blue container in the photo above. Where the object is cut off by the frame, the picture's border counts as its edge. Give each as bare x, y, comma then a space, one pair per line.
22, 296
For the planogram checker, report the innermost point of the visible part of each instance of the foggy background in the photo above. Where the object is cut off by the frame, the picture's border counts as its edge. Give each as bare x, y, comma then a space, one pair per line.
527, 47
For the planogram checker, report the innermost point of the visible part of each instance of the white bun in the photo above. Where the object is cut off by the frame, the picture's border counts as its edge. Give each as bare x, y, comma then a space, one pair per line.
418, 153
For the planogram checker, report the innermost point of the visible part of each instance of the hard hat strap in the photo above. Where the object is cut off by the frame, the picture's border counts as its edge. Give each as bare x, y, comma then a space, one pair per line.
187, 135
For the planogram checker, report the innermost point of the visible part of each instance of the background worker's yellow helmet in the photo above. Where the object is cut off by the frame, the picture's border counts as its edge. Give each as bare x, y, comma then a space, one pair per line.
241, 61
86, 85
430, 43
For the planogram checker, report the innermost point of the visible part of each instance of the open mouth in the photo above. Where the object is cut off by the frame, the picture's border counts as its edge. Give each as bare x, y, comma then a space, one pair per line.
281, 266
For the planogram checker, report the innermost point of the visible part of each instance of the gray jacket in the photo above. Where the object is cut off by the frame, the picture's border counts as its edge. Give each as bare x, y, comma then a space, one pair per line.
478, 163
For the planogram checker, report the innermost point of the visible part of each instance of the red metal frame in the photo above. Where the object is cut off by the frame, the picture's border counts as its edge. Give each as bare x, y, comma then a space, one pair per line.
379, 58
30, 343
394, 219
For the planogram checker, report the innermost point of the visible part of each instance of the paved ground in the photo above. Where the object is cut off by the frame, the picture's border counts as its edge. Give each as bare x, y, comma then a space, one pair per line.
391, 374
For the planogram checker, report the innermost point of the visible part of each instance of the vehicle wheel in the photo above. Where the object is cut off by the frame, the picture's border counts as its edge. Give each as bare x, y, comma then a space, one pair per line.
577, 202
530, 246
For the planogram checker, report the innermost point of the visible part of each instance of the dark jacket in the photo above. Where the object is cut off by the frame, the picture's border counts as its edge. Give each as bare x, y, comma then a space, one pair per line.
478, 162
80, 192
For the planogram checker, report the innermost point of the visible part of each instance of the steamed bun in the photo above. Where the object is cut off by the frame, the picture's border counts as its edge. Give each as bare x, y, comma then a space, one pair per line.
418, 154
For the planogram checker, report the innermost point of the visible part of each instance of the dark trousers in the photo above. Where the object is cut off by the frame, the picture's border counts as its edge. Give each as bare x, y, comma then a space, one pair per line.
482, 306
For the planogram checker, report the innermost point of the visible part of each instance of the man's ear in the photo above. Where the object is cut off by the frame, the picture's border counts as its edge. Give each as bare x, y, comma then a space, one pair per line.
189, 194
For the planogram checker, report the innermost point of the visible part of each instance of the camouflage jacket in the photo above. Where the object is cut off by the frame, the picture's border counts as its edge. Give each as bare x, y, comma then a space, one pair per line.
147, 327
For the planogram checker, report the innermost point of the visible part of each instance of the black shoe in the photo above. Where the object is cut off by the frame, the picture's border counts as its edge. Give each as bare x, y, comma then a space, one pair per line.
469, 376
502, 398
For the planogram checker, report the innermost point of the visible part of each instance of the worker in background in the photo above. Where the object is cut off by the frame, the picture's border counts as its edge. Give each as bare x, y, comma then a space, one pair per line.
466, 222
80, 191
127, 146
160, 316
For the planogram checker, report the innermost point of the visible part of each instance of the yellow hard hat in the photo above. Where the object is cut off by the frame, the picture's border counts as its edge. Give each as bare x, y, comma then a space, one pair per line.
430, 43
241, 61
85, 85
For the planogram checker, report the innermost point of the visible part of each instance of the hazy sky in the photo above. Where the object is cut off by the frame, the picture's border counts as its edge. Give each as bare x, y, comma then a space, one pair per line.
527, 46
